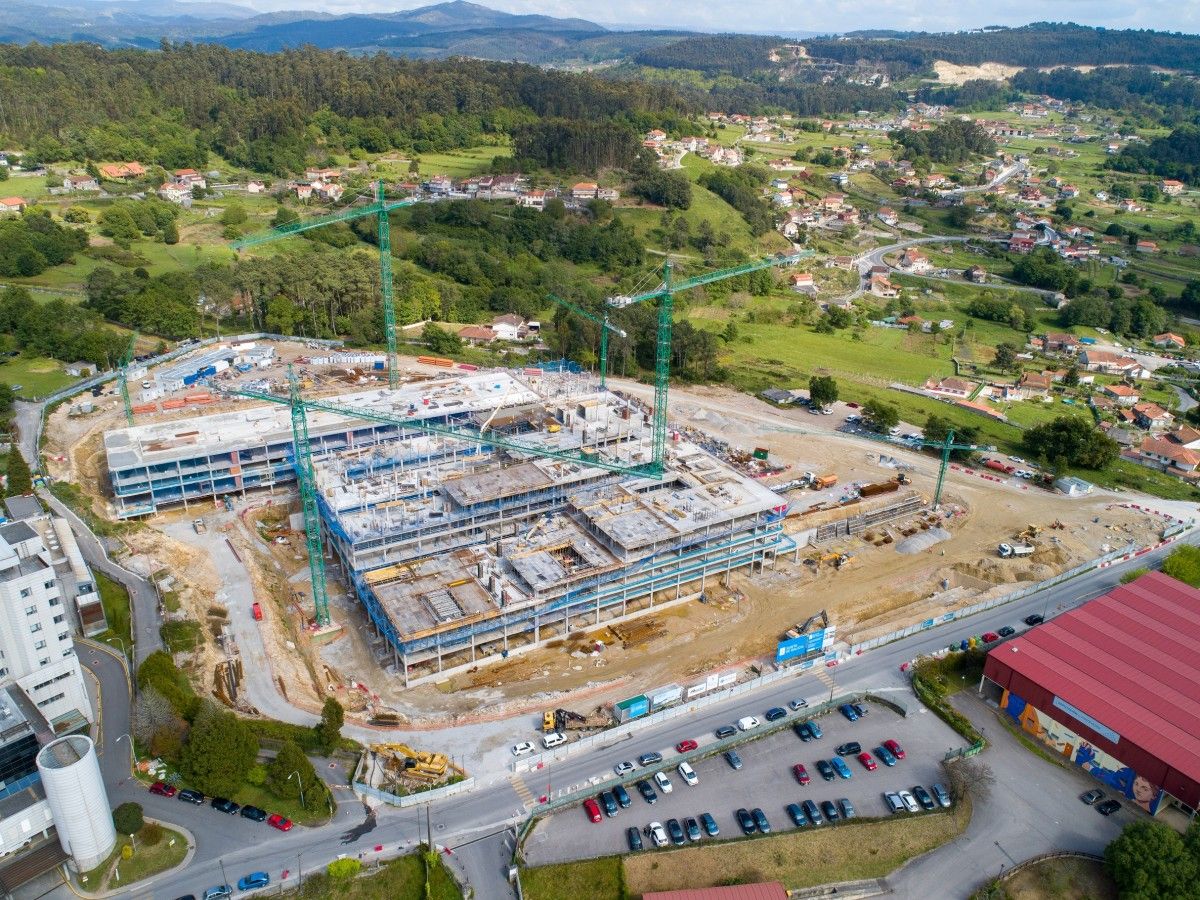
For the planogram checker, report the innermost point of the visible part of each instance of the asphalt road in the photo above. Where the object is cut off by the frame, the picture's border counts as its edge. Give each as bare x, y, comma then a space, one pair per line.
765, 780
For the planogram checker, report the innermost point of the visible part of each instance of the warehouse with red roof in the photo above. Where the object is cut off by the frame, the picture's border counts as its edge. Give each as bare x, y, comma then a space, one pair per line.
1114, 687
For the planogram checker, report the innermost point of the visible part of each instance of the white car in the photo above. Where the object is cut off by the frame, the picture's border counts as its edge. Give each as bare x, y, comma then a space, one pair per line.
657, 834
624, 768
554, 739
798, 703
909, 801
1016, 459
688, 774
746, 723
663, 782
522, 748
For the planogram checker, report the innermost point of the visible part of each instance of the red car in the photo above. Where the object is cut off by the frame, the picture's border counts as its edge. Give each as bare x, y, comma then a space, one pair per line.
163, 790
592, 808
990, 637
868, 762
801, 773
897, 750
278, 821
686, 746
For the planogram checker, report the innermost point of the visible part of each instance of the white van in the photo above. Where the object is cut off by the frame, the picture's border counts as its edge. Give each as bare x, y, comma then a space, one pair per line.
746, 723
688, 774
553, 739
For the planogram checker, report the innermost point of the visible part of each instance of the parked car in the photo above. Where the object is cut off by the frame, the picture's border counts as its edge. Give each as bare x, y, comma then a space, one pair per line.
802, 732
885, 756
1006, 631
801, 773
852, 748
810, 810
847, 808
189, 796
798, 703
815, 730
867, 761
849, 712
634, 837
710, 824
1092, 797
226, 806
747, 722
281, 822
608, 803
746, 821
649, 759
797, 815
657, 834
688, 774
219, 892
894, 748
923, 797
676, 831
1035, 619
592, 809
622, 796
941, 795
760, 819
692, 827
893, 801
909, 801
554, 739
775, 713
1108, 807
648, 793
990, 637
686, 746
663, 782
734, 760
624, 768
522, 748
840, 767
725, 731
829, 810
826, 770
254, 814
253, 881
163, 789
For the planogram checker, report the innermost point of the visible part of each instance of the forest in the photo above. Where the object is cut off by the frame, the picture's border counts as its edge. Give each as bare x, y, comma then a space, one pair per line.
952, 141
1177, 155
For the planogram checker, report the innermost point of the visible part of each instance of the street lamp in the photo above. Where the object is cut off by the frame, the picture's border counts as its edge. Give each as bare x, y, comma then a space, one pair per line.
132, 753
224, 877
300, 870
299, 784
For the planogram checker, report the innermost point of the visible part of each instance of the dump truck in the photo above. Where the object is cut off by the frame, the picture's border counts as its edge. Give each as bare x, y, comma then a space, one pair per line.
821, 482
565, 720
1008, 551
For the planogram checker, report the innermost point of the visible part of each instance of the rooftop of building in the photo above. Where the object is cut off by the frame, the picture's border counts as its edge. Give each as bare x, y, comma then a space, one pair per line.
25, 506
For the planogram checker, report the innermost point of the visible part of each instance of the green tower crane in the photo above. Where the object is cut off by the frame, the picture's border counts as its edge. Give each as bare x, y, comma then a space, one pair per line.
306, 478
379, 207
946, 445
605, 328
665, 294
122, 378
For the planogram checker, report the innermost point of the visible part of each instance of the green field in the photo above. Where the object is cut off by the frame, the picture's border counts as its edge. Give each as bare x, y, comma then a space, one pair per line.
38, 376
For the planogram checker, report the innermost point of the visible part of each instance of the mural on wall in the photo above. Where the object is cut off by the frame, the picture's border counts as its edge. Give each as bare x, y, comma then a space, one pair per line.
1091, 759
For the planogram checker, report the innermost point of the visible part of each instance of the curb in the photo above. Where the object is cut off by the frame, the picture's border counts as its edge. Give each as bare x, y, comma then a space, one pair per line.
183, 864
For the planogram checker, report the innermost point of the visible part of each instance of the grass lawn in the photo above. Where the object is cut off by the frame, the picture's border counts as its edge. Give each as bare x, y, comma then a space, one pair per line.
38, 376
400, 879
597, 878
115, 600
116, 873
1057, 879
252, 795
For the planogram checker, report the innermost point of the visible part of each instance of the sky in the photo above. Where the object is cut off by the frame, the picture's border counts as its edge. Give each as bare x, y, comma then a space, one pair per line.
788, 16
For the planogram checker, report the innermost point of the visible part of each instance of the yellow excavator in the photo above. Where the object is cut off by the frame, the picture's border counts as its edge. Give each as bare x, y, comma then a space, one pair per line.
421, 764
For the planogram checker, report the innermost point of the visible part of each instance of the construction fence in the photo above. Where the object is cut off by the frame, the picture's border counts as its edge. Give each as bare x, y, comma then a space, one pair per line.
420, 797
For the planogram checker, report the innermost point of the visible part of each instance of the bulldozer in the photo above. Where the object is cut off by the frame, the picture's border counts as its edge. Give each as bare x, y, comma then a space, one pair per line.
402, 760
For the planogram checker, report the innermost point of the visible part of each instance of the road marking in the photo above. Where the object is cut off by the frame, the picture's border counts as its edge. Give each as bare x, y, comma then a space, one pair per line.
826, 679
522, 791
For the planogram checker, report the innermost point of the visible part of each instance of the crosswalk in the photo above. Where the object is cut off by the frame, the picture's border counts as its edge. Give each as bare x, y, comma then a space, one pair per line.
822, 675
527, 798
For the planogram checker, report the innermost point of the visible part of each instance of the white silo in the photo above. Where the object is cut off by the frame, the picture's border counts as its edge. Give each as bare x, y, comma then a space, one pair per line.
78, 802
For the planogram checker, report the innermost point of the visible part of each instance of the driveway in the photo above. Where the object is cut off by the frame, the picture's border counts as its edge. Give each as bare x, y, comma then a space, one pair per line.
1033, 807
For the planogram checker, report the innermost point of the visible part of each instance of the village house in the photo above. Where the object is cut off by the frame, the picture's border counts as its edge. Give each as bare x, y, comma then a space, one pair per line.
122, 171
914, 261
612, 195
1121, 394
439, 184
951, 387
1021, 242
882, 287
1129, 205
656, 136
1033, 384
585, 190
330, 193
188, 178
535, 199
1167, 454
315, 174
832, 202
1107, 363
1169, 339
176, 193
1060, 343
81, 369
255, 187
802, 283
1152, 417
11, 206
477, 334
887, 216
1147, 247
303, 191
1171, 187
76, 183
976, 275
510, 327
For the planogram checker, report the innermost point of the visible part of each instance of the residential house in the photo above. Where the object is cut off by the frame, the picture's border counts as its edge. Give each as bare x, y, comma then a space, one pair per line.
1169, 339
612, 195
782, 199
887, 216
477, 334
76, 183
535, 199
802, 283
1122, 394
1187, 436
1108, 363
1171, 187
11, 206
951, 387
315, 174
175, 193
188, 178
1021, 242
832, 202
439, 184
585, 190
1129, 205
327, 191
1060, 343
882, 287
303, 191
914, 261
976, 275
1147, 247
510, 327
255, 187
1166, 455
1033, 384
840, 262
122, 171
910, 321
1152, 417
81, 369
656, 136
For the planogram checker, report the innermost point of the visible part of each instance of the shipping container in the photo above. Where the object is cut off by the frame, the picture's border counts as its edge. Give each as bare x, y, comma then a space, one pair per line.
999, 466
881, 487
378, 365
665, 696
467, 367
632, 708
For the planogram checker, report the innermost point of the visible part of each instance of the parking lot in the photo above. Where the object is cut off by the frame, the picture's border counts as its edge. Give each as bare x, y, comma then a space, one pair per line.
765, 780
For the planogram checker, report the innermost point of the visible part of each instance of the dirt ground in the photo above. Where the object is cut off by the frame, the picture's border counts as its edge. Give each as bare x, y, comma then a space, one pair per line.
1060, 879
864, 598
